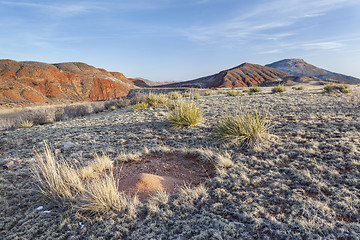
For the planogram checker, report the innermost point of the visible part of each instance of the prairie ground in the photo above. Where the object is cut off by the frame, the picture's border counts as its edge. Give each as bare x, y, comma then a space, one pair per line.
302, 183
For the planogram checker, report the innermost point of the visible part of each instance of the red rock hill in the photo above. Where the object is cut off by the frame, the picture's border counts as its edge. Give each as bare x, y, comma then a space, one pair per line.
244, 75
35, 82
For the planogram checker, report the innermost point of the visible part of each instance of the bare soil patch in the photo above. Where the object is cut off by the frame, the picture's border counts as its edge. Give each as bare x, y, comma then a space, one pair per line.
161, 172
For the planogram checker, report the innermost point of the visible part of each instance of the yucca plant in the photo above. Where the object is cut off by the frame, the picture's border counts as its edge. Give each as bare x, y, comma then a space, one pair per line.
185, 114
278, 89
26, 124
247, 129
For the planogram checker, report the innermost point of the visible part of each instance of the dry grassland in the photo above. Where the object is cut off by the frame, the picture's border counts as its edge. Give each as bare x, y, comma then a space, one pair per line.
302, 182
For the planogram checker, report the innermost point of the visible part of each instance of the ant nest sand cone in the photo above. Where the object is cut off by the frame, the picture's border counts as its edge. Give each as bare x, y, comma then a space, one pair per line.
164, 172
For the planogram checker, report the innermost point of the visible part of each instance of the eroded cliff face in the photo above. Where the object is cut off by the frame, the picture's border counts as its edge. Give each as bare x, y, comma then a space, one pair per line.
35, 82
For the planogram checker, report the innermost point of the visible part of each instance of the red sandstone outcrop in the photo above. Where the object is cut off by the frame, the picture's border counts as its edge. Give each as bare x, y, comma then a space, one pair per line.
244, 75
36, 82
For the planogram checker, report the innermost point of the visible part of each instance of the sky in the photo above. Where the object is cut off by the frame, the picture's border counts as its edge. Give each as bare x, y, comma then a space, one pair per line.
178, 40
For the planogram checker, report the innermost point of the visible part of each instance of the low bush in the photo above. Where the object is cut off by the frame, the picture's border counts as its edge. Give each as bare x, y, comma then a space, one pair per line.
174, 95
209, 93
233, 93
243, 129
196, 96
254, 90
278, 89
157, 100
338, 88
140, 106
185, 114
298, 88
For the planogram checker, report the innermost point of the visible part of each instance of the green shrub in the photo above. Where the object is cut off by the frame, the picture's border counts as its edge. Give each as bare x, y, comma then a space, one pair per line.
174, 95
112, 108
26, 124
339, 88
157, 100
243, 129
185, 114
233, 93
278, 89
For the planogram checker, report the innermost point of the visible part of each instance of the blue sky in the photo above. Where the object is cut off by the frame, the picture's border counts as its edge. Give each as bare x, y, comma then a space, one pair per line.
182, 39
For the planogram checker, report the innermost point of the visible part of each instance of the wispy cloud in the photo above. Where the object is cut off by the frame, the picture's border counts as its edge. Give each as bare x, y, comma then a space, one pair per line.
323, 45
256, 23
57, 9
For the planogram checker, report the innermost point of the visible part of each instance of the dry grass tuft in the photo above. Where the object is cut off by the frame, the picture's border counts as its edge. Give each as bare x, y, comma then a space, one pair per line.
98, 166
57, 178
185, 114
174, 95
102, 196
233, 93
92, 189
244, 129
157, 100
140, 106
26, 124
278, 89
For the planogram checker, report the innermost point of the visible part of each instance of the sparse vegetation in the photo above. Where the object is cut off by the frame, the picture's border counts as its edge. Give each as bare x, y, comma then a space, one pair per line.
339, 88
254, 90
209, 93
140, 106
112, 108
243, 129
233, 93
90, 189
26, 124
185, 114
298, 88
186, 94
157, 100
278, 89
196, 96
174, 95
57, 178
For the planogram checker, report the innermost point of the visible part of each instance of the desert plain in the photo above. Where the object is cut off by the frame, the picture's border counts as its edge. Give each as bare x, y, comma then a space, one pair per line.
302, 182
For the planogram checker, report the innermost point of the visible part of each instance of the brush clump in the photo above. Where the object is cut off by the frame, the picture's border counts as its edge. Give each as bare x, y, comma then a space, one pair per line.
247, 129
185, 114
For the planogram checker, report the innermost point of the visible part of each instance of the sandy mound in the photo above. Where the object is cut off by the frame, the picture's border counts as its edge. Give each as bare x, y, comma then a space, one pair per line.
144, 184
166, 172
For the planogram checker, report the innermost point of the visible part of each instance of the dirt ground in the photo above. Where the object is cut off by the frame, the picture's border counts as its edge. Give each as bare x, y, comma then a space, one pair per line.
304, 183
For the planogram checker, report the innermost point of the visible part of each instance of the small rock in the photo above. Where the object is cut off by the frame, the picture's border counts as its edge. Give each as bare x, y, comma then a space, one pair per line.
47, 211
67, 145
8, 164
40, 208
57, 151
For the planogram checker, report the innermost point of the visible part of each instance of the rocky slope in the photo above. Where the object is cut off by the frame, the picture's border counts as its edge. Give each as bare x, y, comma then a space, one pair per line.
299, 67
245, 75
24, 83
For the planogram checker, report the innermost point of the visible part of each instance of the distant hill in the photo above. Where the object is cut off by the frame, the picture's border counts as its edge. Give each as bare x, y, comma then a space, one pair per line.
299, 67
244, 75
36, 82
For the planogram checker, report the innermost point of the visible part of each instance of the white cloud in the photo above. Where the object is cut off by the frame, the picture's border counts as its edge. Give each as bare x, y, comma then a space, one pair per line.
323, 45
278, 16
